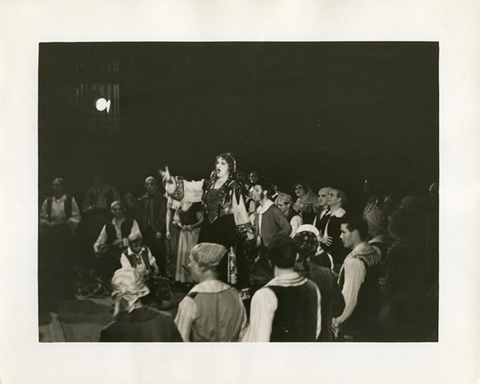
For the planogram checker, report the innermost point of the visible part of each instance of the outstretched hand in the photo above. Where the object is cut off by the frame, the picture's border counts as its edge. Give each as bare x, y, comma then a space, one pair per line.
166, 177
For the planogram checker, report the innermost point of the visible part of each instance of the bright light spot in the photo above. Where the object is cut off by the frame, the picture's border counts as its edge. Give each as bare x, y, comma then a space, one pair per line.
103, 104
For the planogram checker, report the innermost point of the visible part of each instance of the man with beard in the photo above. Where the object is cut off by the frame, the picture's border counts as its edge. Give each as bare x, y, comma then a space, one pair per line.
270, 222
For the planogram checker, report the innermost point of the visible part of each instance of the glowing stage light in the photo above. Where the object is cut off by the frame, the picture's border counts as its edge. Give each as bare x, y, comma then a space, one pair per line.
103, 104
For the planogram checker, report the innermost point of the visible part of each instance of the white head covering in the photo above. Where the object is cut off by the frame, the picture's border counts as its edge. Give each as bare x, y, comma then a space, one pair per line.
128, 286
308, 228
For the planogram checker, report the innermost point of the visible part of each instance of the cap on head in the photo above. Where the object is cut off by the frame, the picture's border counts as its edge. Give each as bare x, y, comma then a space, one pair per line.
118, 204
308, 228
152, 179
306, 243
208, 255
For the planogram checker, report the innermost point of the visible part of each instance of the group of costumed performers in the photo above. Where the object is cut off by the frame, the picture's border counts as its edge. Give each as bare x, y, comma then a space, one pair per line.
226, 220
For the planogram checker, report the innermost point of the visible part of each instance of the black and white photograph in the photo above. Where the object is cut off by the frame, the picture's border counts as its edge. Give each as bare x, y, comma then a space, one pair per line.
283, 192
223, 191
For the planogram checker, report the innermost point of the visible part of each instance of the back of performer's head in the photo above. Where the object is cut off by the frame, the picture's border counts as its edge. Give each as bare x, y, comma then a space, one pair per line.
281, 252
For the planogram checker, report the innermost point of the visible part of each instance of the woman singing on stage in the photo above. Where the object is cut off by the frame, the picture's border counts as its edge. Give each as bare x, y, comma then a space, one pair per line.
226, 219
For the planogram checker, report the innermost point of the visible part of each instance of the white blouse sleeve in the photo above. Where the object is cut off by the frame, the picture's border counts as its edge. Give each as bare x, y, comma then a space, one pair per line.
263, 307
355, 273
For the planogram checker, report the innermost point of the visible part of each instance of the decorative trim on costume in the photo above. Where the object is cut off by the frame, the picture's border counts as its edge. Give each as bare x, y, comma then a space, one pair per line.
244, 229
179, 192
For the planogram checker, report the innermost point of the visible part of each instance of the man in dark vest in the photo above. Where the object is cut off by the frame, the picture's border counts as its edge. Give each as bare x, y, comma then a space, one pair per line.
330, 240
286, 309
59, 218
60, 210
113, 240
152, 215
358, 280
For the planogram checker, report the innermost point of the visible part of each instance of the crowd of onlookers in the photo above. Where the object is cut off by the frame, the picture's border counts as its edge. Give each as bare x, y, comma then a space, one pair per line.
257, 263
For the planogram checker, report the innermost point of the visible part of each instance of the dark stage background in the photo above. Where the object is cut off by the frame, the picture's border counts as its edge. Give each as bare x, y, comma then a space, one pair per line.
328, 113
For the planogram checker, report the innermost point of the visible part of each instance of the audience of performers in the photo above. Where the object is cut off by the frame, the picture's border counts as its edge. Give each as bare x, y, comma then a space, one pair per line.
254, 269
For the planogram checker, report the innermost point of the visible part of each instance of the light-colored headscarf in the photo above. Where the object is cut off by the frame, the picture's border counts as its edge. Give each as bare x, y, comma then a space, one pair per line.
128, 286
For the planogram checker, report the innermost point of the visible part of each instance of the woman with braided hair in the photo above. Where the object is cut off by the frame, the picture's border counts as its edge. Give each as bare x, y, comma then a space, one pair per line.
333, 303
226, 219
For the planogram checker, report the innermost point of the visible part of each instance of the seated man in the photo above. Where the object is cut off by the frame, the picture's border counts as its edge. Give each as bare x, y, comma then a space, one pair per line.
113, 240
212, 310
358, 280
135, 322
288, 307
138, 256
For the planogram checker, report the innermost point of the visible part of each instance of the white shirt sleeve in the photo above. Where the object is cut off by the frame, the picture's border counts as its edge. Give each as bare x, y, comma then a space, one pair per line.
295, 223
135, 229
102, 239
355, 273
319, 311
187, 311
243, 329
125, 262
263, 307
75, 218
152, 260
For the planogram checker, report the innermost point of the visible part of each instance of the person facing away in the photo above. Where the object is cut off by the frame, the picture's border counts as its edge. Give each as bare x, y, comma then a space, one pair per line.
286, 309
212, 311
358, 280
308, 265
135, 322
